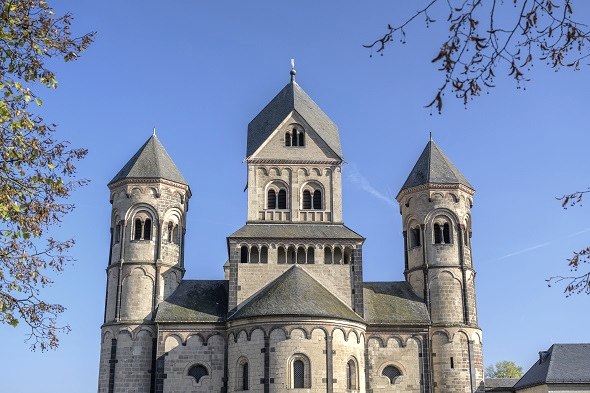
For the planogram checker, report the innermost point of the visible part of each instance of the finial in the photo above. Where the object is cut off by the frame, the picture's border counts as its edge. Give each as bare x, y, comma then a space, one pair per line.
154, 131
293, 72
430, 136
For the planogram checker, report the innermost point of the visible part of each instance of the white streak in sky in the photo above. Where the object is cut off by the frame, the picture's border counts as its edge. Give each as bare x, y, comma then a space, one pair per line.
541, 245
356, 178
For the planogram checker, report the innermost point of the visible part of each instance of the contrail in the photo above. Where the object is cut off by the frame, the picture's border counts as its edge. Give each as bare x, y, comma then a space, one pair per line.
541, 245
360, 181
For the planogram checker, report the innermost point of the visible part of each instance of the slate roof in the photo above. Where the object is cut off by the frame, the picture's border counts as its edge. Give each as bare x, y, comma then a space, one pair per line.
500, 384
560, 364
195, 301
296, 231
433, 166
393, 303
296, 293
291, 98
150, 162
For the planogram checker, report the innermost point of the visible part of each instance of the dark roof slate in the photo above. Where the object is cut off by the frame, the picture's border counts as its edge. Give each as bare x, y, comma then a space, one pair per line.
150, 162
561, 364
296, 293
290, 98
296, 231
433, 166
393, 303
500, 384
195, 301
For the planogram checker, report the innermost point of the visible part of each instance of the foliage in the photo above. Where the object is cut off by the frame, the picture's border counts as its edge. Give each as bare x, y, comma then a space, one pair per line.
486, 35
575, 283
503, 369
37, 172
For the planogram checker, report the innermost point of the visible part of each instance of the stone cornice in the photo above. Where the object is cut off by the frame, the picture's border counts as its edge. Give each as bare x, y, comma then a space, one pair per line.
434, 186
272, 161
127, 181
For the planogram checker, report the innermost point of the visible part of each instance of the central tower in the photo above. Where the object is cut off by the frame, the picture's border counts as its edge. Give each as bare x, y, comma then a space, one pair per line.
294, 160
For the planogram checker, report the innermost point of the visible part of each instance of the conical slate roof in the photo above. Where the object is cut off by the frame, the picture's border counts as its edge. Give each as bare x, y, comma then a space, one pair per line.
150, 162
290, 98
434, 167
296, 293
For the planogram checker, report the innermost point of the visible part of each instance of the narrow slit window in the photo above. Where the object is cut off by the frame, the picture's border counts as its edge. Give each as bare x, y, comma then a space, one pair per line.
170, 232
452, 362
118, 233
245, 376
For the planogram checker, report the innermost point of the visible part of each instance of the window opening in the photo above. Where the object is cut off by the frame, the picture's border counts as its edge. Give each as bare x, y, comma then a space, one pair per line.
137, 235
327, 255
447, 233
317, 200
272, 199
244, 254
391, 372
170, 232
301, 138
254, 255
282, 258
338, 255
452, 363
291, 255
288, 139
263, 254
300, 254
437, 234
147, 229
198, 372
351, 375
282, 199
311, 255
306, 199
117, 233
245, 376
298, 374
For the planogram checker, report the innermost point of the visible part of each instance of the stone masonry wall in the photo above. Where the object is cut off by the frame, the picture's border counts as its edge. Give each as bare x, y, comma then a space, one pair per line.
404, 355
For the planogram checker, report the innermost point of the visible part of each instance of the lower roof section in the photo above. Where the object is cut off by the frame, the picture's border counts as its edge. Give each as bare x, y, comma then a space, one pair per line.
393, 303
296, 231
195, 301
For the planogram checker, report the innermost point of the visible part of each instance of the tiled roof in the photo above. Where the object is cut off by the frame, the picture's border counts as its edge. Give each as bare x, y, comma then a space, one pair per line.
291, 98
296, 231
150, 162
434, 167
500, 384
560, 364
195, 301
393, 303
296, 293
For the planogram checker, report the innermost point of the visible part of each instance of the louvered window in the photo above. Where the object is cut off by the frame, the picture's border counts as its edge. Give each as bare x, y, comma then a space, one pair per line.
317, 200
282, 199
306, 200
138, 228
272, 199
147, 229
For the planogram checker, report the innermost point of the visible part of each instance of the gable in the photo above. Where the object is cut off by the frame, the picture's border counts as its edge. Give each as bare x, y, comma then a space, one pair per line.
315, 148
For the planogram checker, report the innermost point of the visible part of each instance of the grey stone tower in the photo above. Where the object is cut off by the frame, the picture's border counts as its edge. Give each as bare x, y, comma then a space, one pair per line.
435, 204
149, 198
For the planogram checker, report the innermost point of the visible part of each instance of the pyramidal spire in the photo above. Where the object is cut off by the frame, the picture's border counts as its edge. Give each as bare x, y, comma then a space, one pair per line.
150, 162
434, 167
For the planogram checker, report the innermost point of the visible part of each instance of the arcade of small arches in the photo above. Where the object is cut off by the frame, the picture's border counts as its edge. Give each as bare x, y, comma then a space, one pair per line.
442, 233
143, 229
292, 254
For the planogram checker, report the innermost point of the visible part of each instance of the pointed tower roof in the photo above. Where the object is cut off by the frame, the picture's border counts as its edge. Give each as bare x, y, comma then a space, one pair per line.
150, 162
296, 293
434, 167
291, 98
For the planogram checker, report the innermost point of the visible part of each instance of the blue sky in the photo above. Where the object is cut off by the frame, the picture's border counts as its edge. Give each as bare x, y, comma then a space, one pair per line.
200, 71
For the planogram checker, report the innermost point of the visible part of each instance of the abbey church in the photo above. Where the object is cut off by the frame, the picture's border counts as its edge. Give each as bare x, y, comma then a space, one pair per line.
293, 312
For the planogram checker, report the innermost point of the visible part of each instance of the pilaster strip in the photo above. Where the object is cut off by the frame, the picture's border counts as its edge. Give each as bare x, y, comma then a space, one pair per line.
329, 365
112, 362
266, 363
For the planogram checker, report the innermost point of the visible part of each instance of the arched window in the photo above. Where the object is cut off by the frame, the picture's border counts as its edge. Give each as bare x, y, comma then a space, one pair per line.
347, 255
170, 232
391, 372
298, 374
254, 255
271, 199
281, 256
317, 200
447, 233
287, 139
310, 255
243, 375
117, 233
282, 199
147, 229
338, 255
264, 254
306, 200
437, 234
138, 228
415, 237
327, 255
244, 254
351, 375
291, 255
301, 135
300, 254
198, 371
175, 236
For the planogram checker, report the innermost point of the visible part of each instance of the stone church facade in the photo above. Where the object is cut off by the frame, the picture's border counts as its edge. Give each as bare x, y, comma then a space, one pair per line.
293, 312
